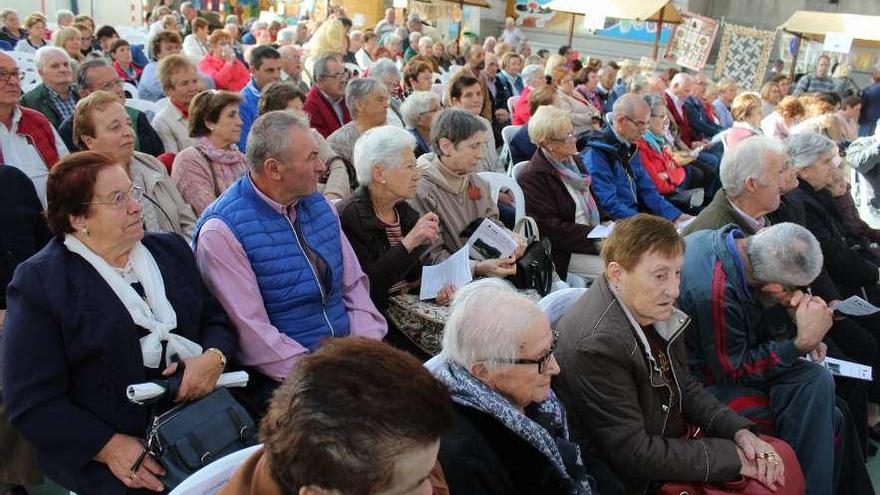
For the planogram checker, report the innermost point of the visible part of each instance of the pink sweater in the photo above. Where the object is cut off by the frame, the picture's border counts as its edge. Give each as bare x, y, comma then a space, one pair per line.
192, 174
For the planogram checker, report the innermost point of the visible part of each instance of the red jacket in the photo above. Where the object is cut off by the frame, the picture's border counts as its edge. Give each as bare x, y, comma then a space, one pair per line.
681, 120
322, 116
657, 162
231, 76
521, 111
36, 127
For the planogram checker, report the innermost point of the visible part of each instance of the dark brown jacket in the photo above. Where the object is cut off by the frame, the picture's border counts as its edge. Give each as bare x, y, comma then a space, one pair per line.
617, 405
550, 204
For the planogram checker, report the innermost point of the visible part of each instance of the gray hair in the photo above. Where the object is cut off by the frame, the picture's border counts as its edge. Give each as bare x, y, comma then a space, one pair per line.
358, 90
416, 104
186, 5
356, 34
471, 335
43, 52
384, 67
320, 68
414, 37
380, 146
63, 14
747, 159
547, 122
287, 34
426, 41
391, 39
638, 84
807, 148
456, 125
786, 254
259, 25
680, 79
531, 72
656, 103
269, 137
82, 72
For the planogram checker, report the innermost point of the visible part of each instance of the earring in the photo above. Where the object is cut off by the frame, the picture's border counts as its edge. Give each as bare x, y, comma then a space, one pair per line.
85, 230
383, 182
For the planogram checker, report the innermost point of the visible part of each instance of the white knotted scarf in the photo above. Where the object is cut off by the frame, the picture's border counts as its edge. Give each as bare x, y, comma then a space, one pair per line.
158, 316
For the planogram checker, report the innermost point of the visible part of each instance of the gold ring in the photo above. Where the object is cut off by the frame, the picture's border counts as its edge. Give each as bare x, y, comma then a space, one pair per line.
763, 455
132, 475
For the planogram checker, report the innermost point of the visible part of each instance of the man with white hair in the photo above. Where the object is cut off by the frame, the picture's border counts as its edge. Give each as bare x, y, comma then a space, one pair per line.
307, 286
680, 88
55, 97
743, 346
27, 139
512, 34
533, 78
607, 79
291, 66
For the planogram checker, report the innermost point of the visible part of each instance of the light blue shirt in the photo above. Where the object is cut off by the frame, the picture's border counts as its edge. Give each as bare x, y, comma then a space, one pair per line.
725, 119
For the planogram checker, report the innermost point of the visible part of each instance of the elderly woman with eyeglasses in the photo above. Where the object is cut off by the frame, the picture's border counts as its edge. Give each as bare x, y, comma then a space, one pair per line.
510, 434
101, 307
101, 123
418, 111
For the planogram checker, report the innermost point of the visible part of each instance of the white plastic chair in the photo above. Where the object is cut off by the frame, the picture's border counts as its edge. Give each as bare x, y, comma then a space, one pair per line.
439, 89
131, 89
498, 181
511, 102
211, 478
145, 106
556, 304
31, 80
516, 169
508, 132
21, 57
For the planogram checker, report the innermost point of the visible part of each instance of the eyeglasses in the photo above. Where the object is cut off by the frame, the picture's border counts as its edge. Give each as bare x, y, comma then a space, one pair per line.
542, 361
110, 85
342, 76
121, 198
570, 138
6, 76
638, 123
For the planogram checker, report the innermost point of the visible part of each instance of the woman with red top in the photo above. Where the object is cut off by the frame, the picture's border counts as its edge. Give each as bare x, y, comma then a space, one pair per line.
221, 64
120, 54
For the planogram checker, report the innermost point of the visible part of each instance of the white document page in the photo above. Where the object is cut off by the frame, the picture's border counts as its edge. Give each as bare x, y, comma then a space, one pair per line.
454, 270
601, 231
855, 306
491, 241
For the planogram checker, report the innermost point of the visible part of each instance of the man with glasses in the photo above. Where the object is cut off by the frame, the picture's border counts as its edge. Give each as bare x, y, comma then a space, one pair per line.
622, 186
99, 75
27, 139
55, 97
325, 102
265, 69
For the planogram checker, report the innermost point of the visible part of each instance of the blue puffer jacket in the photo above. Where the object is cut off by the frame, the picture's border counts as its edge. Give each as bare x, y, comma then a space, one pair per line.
619, 180
297, 303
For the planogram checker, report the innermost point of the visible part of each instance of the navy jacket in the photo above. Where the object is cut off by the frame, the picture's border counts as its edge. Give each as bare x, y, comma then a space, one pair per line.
521, 147
701, 126
71, 349
870, 106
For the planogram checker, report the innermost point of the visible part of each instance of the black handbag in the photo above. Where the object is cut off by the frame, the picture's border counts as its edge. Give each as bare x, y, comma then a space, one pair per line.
534, 269
191, 435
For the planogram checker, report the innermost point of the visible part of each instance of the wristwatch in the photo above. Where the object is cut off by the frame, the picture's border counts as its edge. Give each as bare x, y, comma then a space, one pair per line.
220, 355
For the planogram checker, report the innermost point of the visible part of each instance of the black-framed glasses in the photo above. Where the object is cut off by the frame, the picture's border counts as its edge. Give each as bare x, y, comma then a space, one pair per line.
121, 198
5, 76
542, 361
341, 76
637, 123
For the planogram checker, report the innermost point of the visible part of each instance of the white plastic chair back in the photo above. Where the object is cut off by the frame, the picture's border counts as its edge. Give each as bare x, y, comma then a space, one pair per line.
131, 89
508, 132
21, 58
498, 181
439, 89
516, 169
511, 102
145, 106
31, 80
211, 478
556, 304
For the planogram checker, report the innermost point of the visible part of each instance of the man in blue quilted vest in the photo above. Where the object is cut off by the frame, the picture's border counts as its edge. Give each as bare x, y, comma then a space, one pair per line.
271, 250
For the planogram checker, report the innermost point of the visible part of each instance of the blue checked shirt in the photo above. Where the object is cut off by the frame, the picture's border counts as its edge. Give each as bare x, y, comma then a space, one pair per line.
64, 107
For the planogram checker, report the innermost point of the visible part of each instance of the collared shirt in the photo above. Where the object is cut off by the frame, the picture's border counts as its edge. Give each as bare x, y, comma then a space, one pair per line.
64, 106
513, 37
336, 106
20, 152
227, 271
678, 102
725, 118
755, 223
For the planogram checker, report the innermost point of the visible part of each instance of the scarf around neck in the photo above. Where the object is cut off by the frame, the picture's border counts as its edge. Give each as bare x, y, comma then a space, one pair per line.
570, 175
550, 439
227, 156
153, 313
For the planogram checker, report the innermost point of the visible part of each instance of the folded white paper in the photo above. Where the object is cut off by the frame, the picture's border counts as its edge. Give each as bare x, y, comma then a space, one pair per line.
855, 306
684, 224
141, 392
601, 231
454, 270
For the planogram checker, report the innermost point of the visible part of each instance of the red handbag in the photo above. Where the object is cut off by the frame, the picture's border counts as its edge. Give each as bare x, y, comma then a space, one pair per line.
794, 479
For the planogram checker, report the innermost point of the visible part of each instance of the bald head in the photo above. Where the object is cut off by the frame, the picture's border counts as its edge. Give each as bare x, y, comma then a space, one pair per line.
631, 114
10, 91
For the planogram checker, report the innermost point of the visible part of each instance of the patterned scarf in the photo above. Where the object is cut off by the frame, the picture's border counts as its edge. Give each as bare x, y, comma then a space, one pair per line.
225, 157
543, 426
570, 175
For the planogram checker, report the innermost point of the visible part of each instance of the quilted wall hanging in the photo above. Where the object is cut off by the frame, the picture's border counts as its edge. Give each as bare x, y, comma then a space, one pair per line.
692, 41
744, 55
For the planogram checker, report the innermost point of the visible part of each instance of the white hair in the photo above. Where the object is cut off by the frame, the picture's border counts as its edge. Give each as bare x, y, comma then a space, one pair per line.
416, 104
478, 331
259, 25
786, 254
391, 39
43, 52
384, 67
287, 34
360, 89
63, 14
806, 149
355, 34
381, 146
680, 79
426, 41
747, 159
531, 72
414, 37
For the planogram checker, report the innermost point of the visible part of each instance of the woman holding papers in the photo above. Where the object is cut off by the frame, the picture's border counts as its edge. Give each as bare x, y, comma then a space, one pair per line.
100, 307
557, 189
451, 189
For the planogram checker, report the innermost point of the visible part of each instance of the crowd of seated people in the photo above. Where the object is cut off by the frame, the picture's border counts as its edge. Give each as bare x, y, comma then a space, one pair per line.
267, 195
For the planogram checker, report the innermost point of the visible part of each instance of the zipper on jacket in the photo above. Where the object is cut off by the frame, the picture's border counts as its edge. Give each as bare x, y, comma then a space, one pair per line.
314, 274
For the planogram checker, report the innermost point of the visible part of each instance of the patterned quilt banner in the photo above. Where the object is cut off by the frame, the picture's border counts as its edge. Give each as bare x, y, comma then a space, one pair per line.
692, 41
744, 55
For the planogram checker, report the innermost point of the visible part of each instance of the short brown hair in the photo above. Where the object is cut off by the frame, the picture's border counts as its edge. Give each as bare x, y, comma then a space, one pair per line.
505, 59
32, 19
169, 66
346, 412
163, 36
82, 116
277, 95
218, 36
206, 107
744, 105
640, 234
117, 44
791, 106
71, 185
198, 23
370, 35
544, 96
412, 70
